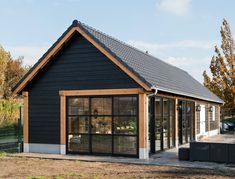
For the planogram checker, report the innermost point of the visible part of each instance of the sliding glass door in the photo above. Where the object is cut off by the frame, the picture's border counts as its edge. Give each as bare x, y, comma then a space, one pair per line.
185, 124
164, 122
102, 125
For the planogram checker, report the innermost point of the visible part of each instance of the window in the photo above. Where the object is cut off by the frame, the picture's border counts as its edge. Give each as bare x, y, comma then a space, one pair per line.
164, 123
213, 113
125, 144
125, 106
185, 121
78, 143
78, 125
125, 125
78, 106
101, 106
103, 125
102, 143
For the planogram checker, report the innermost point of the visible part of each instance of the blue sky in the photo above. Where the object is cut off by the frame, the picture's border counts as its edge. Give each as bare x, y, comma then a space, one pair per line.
180, 32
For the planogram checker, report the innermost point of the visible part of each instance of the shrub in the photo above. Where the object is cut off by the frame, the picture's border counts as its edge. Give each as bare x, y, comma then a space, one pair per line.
9, 112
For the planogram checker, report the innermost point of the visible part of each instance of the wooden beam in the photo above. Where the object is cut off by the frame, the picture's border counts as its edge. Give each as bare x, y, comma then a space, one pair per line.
26, 117
176, 123
62, 120
194, 121
185, 98
142, 121
100, 92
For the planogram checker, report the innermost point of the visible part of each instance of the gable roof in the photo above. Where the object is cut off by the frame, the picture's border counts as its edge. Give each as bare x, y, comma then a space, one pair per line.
148, 71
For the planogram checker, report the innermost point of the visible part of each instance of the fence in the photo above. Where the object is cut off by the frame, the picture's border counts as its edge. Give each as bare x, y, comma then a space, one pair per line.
11, 138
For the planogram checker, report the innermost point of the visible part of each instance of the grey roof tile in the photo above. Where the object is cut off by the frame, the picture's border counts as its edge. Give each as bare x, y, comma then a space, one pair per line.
155, 72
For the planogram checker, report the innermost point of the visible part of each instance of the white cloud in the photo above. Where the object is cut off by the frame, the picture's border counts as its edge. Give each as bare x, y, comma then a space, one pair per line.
176, 7
31, 54
194, 66
194, 62
178, 44
182, 62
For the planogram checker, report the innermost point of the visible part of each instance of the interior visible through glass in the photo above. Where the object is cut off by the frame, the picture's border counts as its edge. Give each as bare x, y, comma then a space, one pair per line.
164, 123
106, 125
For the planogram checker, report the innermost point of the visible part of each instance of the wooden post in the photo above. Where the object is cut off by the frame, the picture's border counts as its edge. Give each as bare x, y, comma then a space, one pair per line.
62, 124
26, 121
143, 151
176, 123
195, 121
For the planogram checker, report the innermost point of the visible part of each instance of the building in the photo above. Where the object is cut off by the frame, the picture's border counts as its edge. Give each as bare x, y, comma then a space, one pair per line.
93, 94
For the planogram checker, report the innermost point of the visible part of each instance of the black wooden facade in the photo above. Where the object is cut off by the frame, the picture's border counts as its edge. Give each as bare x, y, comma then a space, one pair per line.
77, 66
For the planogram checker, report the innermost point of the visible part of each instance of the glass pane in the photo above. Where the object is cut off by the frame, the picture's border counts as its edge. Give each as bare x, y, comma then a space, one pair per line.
78, 143
125, 105
166, 106
78, 106
101, 106
102, 143
184, 110
158, 131
171, 132
165, 133
73, 125
125, 125
157, 107
172, 123
78, 125
83, 124
101, 125
158, 124
125, 145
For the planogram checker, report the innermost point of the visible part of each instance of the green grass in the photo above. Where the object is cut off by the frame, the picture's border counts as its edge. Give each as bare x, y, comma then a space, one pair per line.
36, 177
3, 154
71, 175
8, 137
229, 117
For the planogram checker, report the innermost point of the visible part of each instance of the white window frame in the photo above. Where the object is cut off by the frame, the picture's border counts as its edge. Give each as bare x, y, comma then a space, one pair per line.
213, 113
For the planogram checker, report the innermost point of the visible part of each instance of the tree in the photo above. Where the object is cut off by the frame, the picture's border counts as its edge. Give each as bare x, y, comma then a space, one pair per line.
10, 72
222, 69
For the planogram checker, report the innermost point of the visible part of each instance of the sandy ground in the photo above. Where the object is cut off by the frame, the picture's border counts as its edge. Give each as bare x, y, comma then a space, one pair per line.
33, 168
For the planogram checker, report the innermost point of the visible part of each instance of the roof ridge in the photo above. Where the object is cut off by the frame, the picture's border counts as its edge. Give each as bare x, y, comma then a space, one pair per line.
130, 46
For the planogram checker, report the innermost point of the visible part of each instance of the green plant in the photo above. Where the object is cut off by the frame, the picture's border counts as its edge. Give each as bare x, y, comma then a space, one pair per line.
9, 112
36, 177
3, 154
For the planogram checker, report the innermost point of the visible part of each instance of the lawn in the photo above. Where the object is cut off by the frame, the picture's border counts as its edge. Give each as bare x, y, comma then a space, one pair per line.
33, 168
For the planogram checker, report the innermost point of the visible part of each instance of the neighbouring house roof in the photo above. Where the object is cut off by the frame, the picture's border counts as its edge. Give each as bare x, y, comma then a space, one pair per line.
154, 72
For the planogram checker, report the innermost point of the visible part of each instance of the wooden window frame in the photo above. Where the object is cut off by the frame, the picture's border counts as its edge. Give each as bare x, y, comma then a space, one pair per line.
141, 105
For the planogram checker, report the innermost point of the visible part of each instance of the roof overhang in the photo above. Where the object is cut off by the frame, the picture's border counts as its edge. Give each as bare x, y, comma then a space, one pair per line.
188, 95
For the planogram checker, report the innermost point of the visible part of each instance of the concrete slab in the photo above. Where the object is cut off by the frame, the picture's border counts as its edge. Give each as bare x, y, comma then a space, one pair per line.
222, 138
157, 160
165, 158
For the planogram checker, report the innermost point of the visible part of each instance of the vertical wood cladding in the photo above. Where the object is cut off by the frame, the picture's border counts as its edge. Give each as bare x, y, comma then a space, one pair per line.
77, 66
